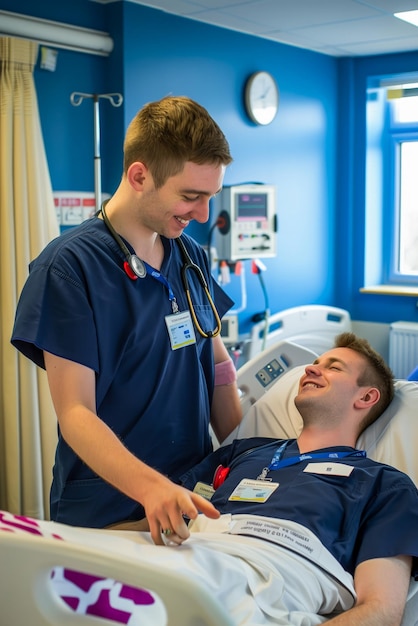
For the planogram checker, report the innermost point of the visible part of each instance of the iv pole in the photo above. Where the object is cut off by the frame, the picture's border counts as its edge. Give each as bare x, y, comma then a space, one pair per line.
115, 100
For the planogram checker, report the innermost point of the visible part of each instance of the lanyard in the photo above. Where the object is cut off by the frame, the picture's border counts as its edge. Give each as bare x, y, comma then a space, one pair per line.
137, 268
162, 279
277, 462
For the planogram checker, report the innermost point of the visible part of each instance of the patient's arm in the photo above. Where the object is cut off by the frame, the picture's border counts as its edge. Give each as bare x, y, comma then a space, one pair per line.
381, 586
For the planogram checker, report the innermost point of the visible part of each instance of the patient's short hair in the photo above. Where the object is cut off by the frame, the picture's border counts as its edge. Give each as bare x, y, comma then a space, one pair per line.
376, 373
166, 134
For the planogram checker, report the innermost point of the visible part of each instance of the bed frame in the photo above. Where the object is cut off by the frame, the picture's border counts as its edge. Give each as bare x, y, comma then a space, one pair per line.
146, 595
313, 326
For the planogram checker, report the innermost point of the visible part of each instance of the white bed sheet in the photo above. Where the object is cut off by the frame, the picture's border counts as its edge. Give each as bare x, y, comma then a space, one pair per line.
256, 581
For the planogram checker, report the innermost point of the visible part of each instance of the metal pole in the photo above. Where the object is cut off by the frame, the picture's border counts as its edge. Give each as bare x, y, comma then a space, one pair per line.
116, 100
97, 163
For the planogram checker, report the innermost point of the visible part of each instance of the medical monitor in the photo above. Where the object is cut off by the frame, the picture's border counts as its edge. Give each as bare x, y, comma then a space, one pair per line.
250, 231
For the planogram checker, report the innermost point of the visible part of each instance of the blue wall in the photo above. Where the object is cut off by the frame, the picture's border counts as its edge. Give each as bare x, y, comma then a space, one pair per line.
295, 153
313, 151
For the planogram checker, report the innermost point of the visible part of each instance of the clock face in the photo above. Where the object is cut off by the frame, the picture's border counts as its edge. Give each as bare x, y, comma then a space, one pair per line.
261, 98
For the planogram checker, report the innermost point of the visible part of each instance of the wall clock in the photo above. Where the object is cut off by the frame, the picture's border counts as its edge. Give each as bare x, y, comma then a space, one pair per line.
261, 98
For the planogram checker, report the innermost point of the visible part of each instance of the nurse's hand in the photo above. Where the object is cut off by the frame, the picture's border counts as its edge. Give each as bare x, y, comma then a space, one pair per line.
166, 504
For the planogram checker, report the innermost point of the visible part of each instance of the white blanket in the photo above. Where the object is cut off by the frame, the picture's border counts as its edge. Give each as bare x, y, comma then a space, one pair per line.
275, 573
259, 582
290, 577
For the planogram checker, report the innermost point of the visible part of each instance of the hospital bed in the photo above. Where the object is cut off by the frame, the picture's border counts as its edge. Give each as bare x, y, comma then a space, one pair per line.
313, 326
149, 592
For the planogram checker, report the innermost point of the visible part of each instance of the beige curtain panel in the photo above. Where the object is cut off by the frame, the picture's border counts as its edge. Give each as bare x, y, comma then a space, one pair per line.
27, 223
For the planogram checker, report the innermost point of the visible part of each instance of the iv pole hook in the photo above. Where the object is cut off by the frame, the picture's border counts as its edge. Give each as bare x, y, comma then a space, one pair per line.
115, 100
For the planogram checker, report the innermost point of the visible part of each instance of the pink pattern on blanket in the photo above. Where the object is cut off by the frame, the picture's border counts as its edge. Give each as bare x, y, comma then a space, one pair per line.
88, 594
21, 523
103, 597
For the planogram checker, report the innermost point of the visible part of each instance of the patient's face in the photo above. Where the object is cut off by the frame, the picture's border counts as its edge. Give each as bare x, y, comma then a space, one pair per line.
329, 386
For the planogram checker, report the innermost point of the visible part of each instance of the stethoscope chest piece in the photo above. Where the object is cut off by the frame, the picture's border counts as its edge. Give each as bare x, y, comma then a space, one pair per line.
133, 265
137, 266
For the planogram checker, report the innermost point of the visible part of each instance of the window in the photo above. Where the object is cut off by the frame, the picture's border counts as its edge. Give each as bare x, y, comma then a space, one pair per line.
406, 261
403, 115
392, 182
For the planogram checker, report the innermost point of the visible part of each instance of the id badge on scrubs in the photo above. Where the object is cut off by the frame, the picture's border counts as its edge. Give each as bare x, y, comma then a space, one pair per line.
180, 329
204, 490
253, 491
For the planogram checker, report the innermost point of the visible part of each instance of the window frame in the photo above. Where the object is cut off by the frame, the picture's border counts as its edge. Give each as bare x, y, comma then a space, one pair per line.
397, 133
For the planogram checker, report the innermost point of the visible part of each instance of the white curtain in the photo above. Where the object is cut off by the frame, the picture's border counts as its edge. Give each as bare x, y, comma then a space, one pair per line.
27, 223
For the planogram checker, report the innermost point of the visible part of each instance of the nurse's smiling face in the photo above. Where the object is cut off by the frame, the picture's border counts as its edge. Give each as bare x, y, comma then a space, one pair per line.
183, 198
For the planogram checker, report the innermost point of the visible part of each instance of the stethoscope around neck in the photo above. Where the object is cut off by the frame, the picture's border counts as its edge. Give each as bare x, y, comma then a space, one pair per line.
133, 265
136, 268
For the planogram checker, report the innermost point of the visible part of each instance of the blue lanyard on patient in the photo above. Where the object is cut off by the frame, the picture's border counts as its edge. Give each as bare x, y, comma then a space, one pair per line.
277, 462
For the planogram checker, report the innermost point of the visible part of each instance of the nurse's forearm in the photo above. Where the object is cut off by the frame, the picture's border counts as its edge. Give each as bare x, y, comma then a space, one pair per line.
73, 393
166, 504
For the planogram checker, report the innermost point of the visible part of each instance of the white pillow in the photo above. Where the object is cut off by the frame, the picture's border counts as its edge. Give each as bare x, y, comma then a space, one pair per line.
392, 439
274, 414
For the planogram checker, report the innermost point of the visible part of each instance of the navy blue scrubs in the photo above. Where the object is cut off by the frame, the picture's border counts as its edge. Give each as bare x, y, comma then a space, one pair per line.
78, 303
370, 512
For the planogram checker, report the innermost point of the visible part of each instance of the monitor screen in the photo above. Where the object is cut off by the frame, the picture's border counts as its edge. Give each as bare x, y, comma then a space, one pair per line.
251, 206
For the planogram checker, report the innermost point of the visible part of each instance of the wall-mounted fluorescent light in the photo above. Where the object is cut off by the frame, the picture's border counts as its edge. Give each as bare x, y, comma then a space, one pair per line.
55, 34
408, 16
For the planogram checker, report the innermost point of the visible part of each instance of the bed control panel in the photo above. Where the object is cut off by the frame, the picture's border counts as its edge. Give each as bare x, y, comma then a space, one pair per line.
258, 375
269, 372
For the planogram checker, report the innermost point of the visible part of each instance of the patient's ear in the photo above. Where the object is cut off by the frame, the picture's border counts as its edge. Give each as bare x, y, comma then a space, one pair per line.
368, 398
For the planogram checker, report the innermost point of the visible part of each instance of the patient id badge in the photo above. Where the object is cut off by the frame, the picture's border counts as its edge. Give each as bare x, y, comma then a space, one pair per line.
253, 491
180, 329
332, 469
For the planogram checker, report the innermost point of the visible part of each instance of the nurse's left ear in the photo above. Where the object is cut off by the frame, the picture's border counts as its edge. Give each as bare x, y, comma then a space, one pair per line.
368, 398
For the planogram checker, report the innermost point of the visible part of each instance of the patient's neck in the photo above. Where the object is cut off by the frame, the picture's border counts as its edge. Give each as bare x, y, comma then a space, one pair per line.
312, 438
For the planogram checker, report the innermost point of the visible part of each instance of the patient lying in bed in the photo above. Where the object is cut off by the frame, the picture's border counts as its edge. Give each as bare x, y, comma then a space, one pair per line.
311, 530
364, 513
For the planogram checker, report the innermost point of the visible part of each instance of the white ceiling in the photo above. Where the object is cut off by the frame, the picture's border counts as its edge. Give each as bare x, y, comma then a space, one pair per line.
334, 27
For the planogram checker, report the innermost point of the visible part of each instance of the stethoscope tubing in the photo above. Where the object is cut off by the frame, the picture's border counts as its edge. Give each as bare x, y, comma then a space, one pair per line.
190, 265
135, 268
